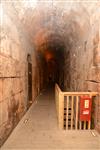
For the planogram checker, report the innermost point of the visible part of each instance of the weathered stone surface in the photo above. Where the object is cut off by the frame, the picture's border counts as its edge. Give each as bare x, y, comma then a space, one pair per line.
14, 48
67, 30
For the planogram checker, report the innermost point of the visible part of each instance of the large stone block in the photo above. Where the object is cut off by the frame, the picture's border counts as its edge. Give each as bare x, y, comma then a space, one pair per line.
1, 90
3, 112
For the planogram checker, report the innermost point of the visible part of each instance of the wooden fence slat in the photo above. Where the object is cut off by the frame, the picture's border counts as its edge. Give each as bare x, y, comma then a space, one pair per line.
84, 125
76, 119
61, 110
89, 125
89, 122
72, 110
67, 112
80, 93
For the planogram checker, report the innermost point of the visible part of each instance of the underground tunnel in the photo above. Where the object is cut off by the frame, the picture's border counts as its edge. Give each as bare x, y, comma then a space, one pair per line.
43, 43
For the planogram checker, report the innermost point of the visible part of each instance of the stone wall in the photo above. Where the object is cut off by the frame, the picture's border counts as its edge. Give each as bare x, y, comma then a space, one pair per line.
82, 59
74, 24
14, 49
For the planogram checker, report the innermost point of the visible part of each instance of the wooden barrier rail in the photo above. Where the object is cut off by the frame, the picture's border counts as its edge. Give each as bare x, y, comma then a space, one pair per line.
67, 106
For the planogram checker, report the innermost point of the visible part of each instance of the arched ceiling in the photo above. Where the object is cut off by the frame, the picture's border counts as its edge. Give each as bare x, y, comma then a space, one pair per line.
55, 25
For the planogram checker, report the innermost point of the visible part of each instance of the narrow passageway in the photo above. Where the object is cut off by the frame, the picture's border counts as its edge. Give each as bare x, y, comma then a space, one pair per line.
39, 130
44, 43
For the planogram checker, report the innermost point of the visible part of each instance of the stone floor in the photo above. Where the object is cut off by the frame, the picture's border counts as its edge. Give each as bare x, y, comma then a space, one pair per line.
38, 130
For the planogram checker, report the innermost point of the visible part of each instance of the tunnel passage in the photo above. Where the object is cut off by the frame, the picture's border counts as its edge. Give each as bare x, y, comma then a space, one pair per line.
58, 39
65, 31
63, 40
51, 51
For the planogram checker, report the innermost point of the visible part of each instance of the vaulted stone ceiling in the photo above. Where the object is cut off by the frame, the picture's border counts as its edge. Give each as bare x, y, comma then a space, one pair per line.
56, 25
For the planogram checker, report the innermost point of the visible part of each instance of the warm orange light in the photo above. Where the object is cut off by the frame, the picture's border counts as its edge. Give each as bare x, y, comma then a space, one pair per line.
48, 55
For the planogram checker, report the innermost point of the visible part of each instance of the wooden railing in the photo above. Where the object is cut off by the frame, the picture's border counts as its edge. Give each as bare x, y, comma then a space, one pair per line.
67, 107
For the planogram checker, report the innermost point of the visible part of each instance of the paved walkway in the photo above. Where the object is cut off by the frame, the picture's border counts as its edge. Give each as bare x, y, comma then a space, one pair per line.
38, 130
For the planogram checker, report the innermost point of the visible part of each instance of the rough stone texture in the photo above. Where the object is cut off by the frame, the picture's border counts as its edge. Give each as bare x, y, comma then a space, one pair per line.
14, 48
60, 28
